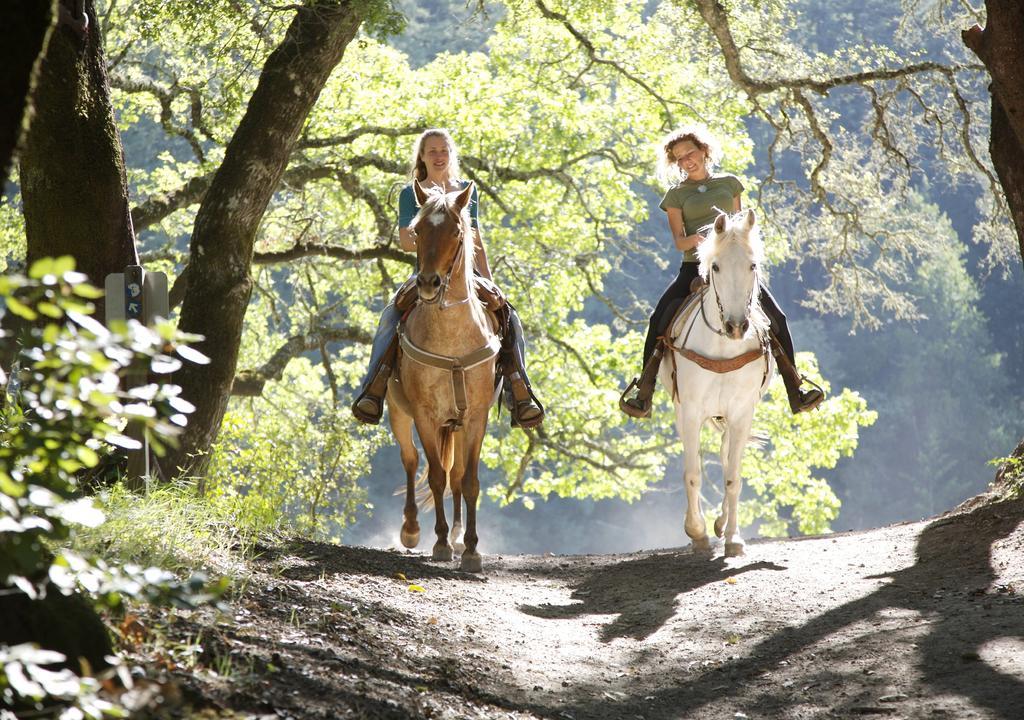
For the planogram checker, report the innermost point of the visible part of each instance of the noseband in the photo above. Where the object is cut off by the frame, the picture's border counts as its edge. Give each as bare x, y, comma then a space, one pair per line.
721, 310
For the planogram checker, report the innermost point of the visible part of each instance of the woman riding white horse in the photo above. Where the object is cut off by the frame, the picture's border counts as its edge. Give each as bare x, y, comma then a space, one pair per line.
693, 203
719, 366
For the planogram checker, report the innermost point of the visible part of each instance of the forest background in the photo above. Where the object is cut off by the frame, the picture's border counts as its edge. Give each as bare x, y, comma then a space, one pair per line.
891, 259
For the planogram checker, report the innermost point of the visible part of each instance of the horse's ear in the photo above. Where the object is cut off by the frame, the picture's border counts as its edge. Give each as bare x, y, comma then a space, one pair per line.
720, 223
462, 199
751, 219
419, 192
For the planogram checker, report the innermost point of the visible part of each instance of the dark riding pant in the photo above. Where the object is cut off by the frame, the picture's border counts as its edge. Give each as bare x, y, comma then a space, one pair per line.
677, 292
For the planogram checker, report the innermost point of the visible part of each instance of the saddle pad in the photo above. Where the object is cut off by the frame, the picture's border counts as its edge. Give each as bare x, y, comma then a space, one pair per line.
683, 313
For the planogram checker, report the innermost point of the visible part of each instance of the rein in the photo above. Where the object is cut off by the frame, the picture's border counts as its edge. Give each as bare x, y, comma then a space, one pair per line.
455, 366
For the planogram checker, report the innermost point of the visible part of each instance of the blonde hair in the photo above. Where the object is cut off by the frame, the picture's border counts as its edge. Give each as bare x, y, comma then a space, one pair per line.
418, 168
668, 170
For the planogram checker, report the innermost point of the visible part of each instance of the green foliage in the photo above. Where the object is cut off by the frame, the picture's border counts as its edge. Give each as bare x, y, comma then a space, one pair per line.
281, 461
1010, 475
562, 148
789, 498
65, 404
25, 680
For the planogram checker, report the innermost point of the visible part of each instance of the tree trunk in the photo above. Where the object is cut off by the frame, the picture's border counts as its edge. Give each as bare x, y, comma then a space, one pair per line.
1000, 46
24, 39
72, 168
220, 260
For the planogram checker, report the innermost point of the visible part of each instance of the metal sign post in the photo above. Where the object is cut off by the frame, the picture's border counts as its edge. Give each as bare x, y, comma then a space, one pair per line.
145, 299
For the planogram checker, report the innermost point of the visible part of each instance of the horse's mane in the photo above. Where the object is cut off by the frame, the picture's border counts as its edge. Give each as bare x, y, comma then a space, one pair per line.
714, 243
438, 200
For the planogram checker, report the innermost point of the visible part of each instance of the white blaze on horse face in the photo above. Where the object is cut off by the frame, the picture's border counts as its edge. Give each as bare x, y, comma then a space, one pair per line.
734, 283
436, 218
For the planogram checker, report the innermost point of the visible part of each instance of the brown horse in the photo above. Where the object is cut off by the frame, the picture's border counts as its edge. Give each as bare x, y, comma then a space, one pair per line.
444, 382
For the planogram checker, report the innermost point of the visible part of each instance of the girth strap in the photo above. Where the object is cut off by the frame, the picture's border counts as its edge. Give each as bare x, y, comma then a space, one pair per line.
456, 366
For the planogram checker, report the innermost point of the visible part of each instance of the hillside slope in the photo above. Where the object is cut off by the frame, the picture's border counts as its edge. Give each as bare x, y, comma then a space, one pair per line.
922, 620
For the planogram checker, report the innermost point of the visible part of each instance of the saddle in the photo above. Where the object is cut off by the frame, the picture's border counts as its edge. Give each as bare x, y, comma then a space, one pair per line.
489, 294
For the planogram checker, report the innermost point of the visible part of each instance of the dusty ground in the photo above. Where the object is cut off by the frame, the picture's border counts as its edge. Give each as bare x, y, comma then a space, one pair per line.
922, 620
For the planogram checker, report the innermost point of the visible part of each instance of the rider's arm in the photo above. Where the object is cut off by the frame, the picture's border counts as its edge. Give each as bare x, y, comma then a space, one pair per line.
407, 239
480, 259
677, 225
406, 214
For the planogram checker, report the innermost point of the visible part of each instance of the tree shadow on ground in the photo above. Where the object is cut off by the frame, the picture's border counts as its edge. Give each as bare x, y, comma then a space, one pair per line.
642, 592
326, 559
953, 558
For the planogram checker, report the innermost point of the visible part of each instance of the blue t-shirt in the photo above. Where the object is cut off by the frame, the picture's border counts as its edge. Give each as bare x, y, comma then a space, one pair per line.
407, 205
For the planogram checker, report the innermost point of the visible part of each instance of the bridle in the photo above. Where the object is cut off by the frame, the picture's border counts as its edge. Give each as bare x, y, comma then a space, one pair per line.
721, 310
446, 281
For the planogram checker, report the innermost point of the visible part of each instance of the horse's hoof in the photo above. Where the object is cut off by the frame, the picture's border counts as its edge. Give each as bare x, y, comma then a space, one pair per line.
471, 562
734, 549
701, 546
719, 524
410, 539
442, 552
460, 547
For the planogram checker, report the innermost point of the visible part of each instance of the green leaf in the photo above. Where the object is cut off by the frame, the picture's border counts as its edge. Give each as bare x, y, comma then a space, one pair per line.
41, 267
50, 310
20, 309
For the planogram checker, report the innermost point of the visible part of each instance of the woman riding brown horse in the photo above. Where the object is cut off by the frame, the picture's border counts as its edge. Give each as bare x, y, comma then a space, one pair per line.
435, 164
445, 376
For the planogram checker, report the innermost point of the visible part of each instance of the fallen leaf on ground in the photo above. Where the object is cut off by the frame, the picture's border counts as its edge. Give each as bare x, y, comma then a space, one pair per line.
417, 588
731, 580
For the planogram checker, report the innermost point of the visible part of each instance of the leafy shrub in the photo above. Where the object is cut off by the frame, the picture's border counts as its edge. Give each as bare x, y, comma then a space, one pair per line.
66, 404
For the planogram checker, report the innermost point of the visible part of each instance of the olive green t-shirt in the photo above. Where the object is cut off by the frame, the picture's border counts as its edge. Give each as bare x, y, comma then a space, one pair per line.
701, 202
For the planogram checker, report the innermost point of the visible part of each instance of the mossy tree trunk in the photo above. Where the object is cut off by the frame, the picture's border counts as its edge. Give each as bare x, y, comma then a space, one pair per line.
72, 168
219, 280
1000, 46
24, 39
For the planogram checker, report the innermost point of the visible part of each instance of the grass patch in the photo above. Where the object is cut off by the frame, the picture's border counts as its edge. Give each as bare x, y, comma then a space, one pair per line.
173, 528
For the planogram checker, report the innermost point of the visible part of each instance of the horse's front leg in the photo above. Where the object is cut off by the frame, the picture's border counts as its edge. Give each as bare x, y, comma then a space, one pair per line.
471, 560
455, 482
732, 460
401, 427
688, 424
437, 480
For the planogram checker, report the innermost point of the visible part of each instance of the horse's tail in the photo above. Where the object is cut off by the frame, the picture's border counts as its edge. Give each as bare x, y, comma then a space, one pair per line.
758, 440
425, 498
447, 445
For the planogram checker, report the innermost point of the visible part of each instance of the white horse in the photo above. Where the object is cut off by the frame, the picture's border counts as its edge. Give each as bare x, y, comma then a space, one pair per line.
720, 367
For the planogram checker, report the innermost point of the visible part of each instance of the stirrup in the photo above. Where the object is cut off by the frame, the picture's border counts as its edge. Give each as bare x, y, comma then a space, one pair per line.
370, 417
808, 397
633, 410
517, 420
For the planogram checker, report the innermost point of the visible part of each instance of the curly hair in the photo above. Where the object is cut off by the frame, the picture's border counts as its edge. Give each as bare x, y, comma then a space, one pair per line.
700, 136
418, 168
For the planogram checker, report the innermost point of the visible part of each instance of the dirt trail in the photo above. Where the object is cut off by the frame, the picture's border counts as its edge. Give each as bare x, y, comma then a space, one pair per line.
922, 620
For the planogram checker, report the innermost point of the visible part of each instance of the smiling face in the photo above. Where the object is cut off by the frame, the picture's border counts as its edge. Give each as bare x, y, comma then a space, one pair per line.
691, 159
435, 154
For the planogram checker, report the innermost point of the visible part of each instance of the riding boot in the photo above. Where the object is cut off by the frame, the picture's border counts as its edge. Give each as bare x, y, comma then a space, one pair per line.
638, 405
799, 400
523, 405
369, 404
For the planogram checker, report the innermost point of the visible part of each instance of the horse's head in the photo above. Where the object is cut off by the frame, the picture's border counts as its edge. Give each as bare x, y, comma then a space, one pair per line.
443, 238
730, 261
